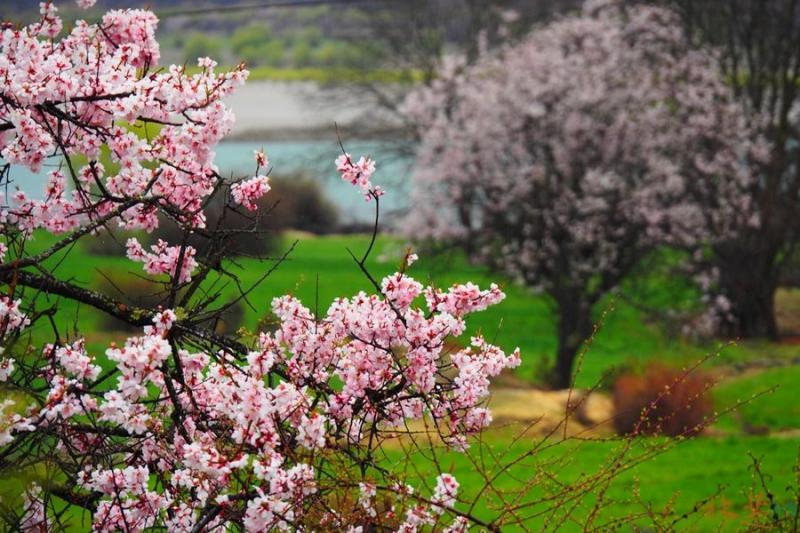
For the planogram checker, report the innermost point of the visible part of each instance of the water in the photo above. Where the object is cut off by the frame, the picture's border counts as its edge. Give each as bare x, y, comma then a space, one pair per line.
314, 158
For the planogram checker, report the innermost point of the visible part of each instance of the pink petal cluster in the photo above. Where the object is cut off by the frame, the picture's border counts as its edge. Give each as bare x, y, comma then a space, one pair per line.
261, 159
358, 174
164, 259
247, 193
74, 359
71, 96
59, 212
388, 355
11, 318
444, 495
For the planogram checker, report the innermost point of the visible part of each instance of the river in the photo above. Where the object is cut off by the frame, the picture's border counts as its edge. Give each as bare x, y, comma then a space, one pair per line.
314, 158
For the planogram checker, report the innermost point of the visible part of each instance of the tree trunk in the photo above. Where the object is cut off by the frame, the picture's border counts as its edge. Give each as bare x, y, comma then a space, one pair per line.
574, 327
748, 278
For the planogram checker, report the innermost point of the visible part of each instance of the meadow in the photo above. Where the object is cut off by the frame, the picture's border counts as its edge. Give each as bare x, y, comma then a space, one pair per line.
717, 463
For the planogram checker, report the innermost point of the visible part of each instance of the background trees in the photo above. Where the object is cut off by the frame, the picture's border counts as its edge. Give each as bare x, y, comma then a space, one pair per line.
567, 158
759, 52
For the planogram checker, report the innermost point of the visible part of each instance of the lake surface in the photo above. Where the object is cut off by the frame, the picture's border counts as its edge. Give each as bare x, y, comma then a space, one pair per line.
314, 158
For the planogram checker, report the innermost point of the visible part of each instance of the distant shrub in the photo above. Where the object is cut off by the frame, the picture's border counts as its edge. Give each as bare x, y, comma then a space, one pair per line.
294, 202
249, 37
301, 205
202, 45
133, 291
106, 241
662, 401
136, 291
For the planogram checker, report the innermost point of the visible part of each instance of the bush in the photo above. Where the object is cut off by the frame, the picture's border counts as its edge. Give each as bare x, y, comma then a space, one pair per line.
107, 241
201, 45
294, 202
662, 400
251, 35
301, 205
136, 291
131, 290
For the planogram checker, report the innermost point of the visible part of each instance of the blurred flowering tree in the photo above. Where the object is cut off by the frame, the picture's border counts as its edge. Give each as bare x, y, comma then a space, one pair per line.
759, 52
181, 428
567, 158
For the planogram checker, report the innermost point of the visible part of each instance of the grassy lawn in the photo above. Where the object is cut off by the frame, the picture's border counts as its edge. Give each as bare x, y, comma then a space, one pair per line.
320, 269
680, 477
327, 76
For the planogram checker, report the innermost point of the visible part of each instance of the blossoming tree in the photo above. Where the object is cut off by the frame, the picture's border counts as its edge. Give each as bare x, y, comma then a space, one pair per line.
759, 45
182, 428
568, 157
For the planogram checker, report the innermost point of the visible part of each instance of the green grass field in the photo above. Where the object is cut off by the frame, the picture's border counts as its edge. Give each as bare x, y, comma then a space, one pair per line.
327, 75
320, 269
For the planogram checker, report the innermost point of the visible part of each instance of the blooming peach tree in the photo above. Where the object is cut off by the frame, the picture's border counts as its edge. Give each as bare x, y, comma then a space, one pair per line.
566, 158
183, 428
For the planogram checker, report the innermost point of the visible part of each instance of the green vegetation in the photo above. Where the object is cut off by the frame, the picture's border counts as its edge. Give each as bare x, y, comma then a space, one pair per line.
304, 52
327, 76
690, 472
626, 338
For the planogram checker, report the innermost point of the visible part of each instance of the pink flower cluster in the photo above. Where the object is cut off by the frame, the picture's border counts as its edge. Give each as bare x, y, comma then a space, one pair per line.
359, 174
247, 193
70, 96
136, 508
233, 421
58, 212
164, 259
11, 318
421, 514
74, 359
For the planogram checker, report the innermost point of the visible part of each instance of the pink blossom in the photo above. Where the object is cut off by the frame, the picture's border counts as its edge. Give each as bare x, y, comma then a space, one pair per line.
11, 318
164, 259
444, 495
184, 419
6, 368
358, 174
74, 359
261, 159
247, 193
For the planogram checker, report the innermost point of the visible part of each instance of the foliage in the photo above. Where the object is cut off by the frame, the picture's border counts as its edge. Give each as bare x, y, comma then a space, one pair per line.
259, 46
299, 203
201, 45
662, 401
